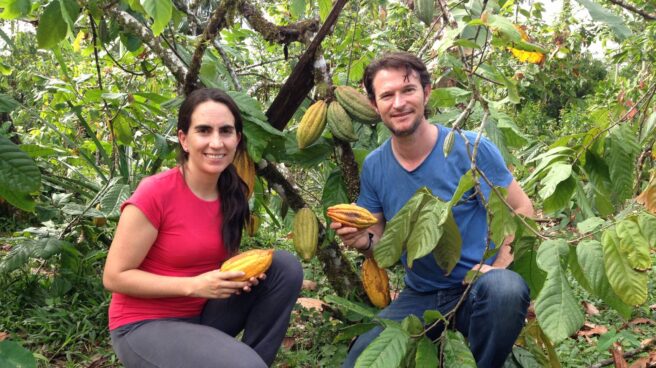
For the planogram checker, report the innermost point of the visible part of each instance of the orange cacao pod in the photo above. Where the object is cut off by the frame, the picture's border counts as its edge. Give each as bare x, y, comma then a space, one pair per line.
246, 170
306, 233
253, 224
252, 262
376, 283
351, 215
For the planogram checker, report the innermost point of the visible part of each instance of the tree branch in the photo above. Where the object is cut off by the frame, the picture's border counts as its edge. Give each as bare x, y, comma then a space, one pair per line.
132, 25
216, 23
300, 81
634, 9
274, 33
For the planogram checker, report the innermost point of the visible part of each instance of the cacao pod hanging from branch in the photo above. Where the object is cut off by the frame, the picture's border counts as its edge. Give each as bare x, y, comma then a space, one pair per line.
306, 233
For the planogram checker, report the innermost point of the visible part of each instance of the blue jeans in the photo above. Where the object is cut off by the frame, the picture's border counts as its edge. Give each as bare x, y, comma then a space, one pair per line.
491, 317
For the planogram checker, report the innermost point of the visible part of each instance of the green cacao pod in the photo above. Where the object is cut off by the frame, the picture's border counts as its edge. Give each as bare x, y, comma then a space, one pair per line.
448, 143
306, 233
312, 124
340, 123
356, 104
424, 9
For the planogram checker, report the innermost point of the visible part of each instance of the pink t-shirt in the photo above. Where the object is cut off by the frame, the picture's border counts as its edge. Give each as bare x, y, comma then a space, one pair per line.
188, 243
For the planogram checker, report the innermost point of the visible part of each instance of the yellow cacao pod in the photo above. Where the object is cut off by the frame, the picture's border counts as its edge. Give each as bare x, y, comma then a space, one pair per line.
340, 123
252, 262
246, 170
253, 224
312, 124
356, 104
306, 233
351, 215
376, 283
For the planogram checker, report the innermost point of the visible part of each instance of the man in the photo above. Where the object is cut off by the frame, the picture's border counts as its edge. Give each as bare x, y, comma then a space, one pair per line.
493, 312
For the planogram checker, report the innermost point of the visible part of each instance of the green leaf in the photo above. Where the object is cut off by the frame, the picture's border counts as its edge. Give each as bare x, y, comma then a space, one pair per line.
70, 11
412, 324
426, 355
12, 355
432, 315
390, 247
589, 225
621, 152
557, 309
501, 220
504, 26
600, 14
448, 250
325, 6
351, 306
297, 8
21, 253
525, 264
13, 9
633, 244
590, 256
447, 97
7, 104
456, 352
123, 130
17, 199
52, 26
349, 332
466, 183
110, 202
36, 150
426, 230
18, 172
387, 350
558, 172
160, 11
647, 225
629, 284
334, 191
76, 209
561, 197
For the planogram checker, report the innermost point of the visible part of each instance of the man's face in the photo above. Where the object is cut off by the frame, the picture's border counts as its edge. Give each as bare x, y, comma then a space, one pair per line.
400, 100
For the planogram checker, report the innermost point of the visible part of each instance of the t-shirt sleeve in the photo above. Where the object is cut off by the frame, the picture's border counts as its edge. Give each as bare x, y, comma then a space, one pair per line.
146, 199
368, 197
490, 161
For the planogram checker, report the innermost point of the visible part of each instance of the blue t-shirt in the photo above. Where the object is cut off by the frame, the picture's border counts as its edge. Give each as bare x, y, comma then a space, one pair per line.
386, 186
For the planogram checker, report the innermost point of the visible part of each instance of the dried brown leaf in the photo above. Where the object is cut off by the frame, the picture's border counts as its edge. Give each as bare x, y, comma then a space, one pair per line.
590, 308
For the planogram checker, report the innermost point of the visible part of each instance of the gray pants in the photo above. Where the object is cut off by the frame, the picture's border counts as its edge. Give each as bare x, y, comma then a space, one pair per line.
209, 339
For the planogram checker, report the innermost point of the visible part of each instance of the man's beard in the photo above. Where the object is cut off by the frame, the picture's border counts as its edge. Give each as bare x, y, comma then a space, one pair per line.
406, 132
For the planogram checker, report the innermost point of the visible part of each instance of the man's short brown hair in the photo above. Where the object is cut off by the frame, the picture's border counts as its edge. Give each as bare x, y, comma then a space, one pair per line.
395, 60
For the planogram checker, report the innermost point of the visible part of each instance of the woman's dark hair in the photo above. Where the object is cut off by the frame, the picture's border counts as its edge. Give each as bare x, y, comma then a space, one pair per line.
232, 189
395, 60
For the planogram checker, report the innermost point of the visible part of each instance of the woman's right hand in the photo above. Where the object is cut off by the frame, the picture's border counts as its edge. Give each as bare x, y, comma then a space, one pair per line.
218, 285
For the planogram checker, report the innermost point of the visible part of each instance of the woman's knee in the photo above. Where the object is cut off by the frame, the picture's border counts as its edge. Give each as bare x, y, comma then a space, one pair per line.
288, 268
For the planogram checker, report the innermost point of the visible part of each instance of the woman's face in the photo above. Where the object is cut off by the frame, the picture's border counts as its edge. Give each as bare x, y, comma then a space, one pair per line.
211, 141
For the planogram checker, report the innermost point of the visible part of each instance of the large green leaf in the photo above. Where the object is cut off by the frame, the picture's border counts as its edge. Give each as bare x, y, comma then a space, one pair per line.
647, 225
447, 97
334, 191
629, 284
111, 201
600, 14
160, 11
557, 310
456, 352
351, 306
561, 196
52, 26
18, 172
634, 244
525, 264
426, 355
70, 11
7, 104
501, 220
557, 173
12, 9
390, 247
648, 128
448, 250
386, 351
24, 201
12, 355
590, 256
466, 183
21, 253
621, 152
426, 231
325, 6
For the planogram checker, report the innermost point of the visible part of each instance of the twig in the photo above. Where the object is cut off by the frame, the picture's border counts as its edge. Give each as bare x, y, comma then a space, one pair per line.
228, 65
632, 8
263, 63
628, 354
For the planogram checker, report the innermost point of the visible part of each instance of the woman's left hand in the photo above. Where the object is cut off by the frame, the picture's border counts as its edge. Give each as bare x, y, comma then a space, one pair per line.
254, 281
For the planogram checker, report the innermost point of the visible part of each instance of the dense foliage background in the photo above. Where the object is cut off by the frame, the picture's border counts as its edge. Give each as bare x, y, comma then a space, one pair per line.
89, 92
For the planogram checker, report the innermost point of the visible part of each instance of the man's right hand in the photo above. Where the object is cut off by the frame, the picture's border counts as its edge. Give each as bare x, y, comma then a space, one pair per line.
352, 237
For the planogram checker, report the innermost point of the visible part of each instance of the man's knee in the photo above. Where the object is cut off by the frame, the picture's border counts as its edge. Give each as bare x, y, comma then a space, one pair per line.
503, 285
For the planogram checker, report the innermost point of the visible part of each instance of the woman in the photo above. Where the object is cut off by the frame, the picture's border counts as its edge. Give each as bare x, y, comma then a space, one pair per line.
171, 306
